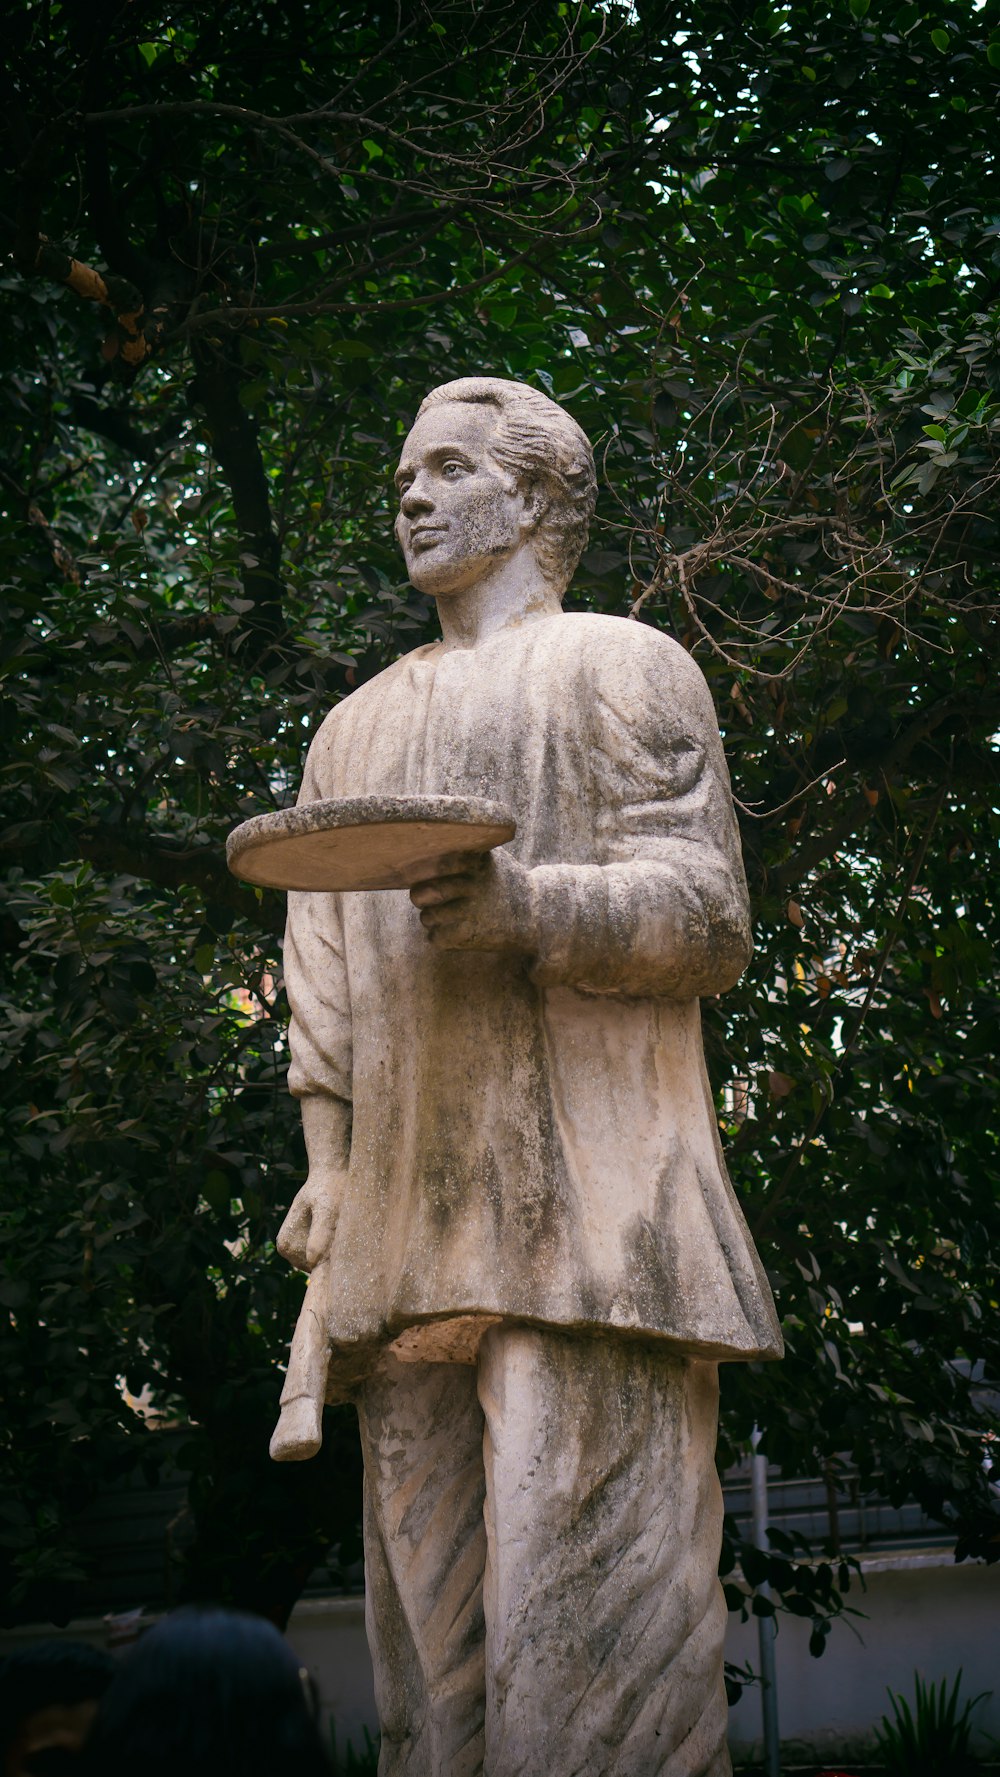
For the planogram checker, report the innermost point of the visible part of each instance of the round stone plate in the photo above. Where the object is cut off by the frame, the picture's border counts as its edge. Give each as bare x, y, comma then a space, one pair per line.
363, 842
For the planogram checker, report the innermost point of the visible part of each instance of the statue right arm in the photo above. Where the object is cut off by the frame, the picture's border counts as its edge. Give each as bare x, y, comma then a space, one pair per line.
308, 1228
320, 1075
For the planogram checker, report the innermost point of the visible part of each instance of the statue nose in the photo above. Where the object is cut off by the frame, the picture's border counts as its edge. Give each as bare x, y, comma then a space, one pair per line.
415, 500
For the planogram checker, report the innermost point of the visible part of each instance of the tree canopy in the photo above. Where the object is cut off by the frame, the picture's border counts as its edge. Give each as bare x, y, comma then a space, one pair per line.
757, 254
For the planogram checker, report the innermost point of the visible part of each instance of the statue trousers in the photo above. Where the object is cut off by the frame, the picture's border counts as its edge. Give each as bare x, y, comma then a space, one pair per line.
542, 1536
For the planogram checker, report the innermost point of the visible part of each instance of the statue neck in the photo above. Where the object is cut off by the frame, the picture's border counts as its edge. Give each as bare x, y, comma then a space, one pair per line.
514, 592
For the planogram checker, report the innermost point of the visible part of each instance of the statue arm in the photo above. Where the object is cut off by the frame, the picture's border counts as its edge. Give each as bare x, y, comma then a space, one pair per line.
315, 972
319, 1076
676, 930
669, 914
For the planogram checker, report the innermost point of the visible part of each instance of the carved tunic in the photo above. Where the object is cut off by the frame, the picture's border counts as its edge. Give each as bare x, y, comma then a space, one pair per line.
534, 1137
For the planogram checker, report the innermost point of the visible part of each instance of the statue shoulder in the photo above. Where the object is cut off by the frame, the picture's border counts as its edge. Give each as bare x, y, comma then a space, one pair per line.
611, 648
338, 733
372, 691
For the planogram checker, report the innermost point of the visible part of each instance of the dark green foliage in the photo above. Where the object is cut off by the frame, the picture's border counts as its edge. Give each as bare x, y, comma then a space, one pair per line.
933, 1737
756, 253
354, 1764
786, 1576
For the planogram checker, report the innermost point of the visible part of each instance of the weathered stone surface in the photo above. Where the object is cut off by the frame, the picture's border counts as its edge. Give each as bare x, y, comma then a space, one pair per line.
577, 1473
364, 842
533, 1133
515, 1174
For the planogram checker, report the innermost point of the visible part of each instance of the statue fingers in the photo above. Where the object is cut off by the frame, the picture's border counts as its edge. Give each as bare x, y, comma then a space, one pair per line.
431, 894
437, 891
451, 927
321, 1229
438, 917
293, 1235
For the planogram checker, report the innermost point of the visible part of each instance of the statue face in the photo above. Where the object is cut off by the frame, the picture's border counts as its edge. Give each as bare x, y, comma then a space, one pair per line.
458, 517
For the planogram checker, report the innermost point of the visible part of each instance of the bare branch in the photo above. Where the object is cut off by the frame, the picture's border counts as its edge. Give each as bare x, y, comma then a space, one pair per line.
768, 814
875, 554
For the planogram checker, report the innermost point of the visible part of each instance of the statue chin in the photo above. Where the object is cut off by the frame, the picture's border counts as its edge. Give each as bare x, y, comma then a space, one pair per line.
442, 576
435, 581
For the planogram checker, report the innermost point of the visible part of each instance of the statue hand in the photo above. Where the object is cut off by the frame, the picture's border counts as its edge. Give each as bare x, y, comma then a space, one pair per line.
308, 1228
482, 903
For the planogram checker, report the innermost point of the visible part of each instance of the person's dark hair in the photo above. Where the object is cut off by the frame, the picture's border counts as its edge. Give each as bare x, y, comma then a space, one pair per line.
208, 1692
50, 1672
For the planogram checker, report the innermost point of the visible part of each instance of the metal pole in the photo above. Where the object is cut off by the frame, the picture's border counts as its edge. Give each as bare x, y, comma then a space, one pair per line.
765, 1625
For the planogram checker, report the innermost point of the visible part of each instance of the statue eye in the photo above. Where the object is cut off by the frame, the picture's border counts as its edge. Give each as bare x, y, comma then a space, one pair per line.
451, 470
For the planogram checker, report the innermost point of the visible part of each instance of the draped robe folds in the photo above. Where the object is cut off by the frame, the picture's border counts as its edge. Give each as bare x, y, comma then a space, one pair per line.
533, 1137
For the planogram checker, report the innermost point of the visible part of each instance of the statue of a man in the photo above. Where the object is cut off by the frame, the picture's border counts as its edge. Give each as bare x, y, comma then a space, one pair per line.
532, 1257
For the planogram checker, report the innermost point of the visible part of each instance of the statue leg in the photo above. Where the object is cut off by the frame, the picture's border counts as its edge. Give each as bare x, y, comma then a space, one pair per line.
425, 1547
605, 1617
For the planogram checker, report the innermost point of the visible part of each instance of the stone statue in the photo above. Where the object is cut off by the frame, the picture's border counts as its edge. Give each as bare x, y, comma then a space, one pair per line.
527, 1259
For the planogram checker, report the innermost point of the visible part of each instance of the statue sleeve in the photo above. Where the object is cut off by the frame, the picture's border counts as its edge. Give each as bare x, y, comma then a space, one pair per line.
319, 1034
666, 911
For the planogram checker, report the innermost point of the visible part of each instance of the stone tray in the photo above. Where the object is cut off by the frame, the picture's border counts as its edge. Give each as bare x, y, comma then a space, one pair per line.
363, 842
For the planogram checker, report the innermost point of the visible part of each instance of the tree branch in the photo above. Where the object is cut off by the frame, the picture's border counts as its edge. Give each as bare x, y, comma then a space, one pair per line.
850, 1041
61, 556
133, 851
220, 377
225, 317
43, 258
896, 755
111, 424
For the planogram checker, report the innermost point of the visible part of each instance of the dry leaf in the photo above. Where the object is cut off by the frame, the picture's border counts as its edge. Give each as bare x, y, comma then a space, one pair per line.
780, 1085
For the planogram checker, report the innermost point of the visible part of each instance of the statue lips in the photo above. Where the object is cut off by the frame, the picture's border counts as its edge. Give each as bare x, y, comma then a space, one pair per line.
424, 536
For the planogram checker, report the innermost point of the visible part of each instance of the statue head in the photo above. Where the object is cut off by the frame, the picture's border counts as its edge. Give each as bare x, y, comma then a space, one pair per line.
490, 467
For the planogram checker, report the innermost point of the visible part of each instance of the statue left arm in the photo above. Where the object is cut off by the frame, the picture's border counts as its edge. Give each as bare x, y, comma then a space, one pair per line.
668, 915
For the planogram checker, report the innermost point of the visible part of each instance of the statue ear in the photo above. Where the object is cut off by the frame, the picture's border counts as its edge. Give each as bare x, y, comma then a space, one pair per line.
536, 504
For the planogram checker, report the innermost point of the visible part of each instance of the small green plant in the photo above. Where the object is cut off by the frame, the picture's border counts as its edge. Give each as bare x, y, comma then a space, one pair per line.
934, 1737
351, 1763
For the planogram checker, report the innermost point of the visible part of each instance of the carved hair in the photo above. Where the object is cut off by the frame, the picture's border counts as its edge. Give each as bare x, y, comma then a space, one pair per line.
538, 443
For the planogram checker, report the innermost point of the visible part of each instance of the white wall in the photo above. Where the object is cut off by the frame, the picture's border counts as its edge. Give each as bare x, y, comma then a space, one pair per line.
329, 1636
922, 1613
